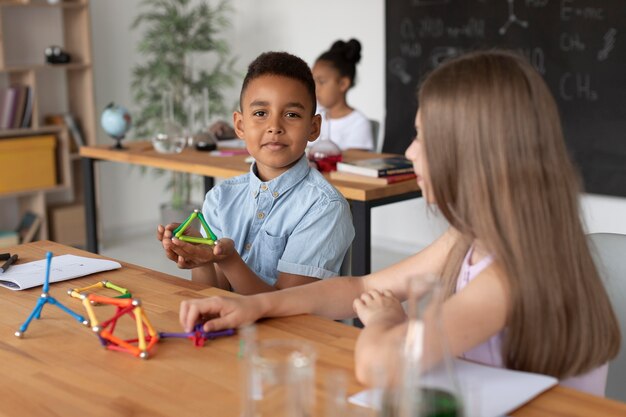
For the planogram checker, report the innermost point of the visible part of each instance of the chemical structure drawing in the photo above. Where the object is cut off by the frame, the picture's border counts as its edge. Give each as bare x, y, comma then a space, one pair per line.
513, 19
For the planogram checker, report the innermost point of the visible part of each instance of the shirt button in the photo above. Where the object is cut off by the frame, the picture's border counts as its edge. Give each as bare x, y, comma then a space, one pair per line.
248, 246
275, 194
260, 215
263, 187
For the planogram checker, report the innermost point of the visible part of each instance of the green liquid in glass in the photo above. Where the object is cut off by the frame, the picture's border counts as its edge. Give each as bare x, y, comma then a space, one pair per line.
432, 403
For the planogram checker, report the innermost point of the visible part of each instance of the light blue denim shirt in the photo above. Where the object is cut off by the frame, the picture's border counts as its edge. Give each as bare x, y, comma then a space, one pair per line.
296, 223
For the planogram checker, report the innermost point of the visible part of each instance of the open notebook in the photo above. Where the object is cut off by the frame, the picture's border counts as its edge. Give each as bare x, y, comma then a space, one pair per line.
486, 391
64, 267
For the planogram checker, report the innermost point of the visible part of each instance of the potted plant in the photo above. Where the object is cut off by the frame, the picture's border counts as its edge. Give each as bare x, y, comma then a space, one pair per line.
177, 34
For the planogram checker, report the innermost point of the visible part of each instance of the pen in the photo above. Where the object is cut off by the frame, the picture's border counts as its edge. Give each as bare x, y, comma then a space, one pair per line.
8, 263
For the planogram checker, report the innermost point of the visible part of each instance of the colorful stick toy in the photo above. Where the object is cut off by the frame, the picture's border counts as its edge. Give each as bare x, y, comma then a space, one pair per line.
198, 335
178, 232
46, 298
78, 292
147, 337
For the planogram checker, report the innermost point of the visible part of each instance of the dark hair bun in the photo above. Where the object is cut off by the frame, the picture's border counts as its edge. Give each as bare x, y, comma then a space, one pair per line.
350, 50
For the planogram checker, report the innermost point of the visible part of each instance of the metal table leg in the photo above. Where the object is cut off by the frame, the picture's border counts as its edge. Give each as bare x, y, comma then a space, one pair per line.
361, 245
91, 216
209, 182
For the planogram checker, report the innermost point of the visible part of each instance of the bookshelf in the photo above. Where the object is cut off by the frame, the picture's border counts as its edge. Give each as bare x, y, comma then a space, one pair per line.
27, 28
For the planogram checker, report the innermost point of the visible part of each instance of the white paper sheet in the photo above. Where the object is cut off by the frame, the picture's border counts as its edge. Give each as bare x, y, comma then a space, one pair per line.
64, 267
486, 391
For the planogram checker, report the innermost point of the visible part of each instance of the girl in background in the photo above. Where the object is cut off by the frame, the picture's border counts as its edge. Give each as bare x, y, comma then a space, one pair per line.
334, 73
522, 289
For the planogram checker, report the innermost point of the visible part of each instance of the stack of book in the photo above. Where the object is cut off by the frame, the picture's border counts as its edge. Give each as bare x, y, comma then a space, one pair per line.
16, 107
378, 171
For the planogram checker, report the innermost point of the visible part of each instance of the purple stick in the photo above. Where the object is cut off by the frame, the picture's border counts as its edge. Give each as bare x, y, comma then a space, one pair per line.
182, 335
213, 335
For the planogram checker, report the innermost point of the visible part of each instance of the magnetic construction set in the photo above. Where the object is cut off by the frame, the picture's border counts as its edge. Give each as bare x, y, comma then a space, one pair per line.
125, 304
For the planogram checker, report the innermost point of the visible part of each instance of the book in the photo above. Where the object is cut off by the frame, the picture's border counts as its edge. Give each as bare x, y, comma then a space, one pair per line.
6, 118
75, 131
377, 167
3, 93
8, 238
33, 274
28, 227
20, 103
28, 108
362, 179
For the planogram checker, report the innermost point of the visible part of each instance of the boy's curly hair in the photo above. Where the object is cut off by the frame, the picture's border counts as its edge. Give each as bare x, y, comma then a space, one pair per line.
281, 64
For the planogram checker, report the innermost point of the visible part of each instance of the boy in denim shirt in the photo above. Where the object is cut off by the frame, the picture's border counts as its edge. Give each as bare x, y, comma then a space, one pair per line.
285, 224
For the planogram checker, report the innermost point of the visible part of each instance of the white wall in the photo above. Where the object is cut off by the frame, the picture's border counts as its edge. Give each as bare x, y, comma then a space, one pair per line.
130, 201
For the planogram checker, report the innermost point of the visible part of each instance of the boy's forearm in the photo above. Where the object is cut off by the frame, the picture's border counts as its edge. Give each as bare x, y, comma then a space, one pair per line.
206, 275
330, 298
241, 278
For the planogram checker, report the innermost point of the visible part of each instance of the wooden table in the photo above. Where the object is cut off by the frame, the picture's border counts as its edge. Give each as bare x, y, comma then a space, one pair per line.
362, 197
59, 368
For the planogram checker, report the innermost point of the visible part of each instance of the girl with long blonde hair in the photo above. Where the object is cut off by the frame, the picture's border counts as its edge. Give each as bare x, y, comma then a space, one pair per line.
522, 290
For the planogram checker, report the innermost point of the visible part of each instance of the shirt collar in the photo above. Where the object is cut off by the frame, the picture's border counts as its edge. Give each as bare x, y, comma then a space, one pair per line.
281, 184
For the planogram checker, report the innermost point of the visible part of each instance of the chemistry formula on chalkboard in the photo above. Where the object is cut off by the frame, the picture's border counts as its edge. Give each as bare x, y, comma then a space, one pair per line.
576, 45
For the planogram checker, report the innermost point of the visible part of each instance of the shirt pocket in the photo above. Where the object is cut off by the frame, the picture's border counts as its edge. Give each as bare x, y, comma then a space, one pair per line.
271, 249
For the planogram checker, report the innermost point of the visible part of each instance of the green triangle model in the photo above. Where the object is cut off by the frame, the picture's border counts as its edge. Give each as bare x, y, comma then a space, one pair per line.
178, 232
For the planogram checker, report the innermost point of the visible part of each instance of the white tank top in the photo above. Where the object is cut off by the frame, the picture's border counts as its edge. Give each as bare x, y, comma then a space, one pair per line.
490, 352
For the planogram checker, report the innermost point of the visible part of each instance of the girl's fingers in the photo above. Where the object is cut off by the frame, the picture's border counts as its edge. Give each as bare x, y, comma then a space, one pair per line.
188, 315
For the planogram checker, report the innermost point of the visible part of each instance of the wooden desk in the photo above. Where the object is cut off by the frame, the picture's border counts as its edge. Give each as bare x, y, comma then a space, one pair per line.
59, 368
362, 197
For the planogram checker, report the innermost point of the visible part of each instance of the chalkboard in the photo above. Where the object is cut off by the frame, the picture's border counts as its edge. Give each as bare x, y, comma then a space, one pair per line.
577, 45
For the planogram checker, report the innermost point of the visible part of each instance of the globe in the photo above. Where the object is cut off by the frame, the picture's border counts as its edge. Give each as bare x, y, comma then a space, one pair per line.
116, 121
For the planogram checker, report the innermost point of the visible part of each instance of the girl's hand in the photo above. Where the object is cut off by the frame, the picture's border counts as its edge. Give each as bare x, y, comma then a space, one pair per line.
191, 255
219, 313
374, 307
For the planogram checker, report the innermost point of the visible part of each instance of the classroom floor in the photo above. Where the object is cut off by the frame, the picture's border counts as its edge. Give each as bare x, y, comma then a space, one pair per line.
145, 250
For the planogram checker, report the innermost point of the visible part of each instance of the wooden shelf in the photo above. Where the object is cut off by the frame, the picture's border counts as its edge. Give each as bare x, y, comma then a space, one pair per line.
20, 64
72, 66
61, 4
28, 131
58, 187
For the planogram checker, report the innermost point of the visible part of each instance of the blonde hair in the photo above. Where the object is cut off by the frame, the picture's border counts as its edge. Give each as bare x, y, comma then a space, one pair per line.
500, 174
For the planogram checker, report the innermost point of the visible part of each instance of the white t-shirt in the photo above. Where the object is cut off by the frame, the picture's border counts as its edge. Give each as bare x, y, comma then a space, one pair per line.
353, 131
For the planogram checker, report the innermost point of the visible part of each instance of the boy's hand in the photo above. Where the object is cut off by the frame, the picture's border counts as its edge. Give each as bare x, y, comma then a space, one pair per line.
376, 307
191, 255
219, 313
164, 235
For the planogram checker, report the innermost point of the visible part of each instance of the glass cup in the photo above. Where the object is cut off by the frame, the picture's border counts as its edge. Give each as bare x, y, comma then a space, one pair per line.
165, 143
281, 379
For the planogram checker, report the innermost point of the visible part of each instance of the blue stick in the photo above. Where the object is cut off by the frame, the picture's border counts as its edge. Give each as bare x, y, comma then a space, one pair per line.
35, 313
46, 283
76, 316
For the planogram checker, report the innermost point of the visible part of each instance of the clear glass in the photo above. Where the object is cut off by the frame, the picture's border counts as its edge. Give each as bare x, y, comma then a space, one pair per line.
199, 121
281, 379
170, 137
426, 384
336, 382
247, 345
